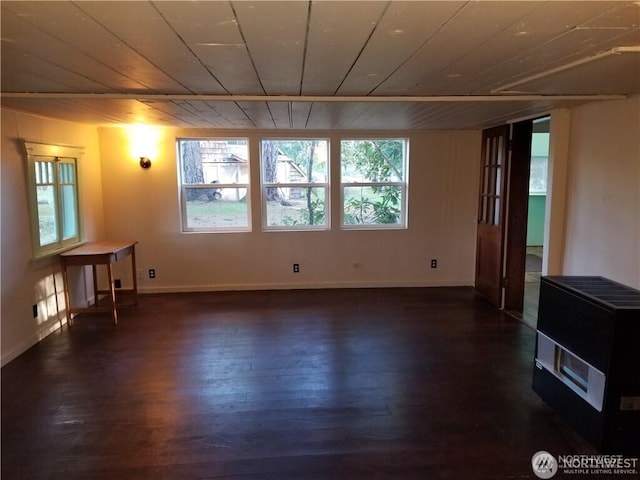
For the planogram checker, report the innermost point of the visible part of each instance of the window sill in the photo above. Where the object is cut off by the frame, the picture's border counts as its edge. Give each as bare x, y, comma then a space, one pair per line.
56, 252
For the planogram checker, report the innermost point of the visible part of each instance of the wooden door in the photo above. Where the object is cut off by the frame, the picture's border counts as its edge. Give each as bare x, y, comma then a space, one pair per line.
491, 208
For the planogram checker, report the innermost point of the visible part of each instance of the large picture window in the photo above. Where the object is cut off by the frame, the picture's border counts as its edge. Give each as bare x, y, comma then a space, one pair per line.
53, 197
295, 184
374, 183
214, 177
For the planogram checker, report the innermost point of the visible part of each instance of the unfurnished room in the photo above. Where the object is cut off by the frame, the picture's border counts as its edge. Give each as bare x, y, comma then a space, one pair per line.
320, 240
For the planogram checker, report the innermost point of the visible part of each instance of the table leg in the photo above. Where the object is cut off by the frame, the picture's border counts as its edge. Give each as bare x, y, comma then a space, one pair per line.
134, 272
65, 286
96, 296
112, 291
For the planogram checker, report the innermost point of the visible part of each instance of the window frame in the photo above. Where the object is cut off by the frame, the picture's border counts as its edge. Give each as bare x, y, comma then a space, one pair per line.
182, 187
37, 152
403, 223
303, 185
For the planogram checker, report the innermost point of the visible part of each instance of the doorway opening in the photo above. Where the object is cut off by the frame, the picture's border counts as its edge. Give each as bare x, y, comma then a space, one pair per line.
512, 216
538, 173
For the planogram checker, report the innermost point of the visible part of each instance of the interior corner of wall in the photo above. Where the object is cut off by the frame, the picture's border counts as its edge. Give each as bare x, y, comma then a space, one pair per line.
557, 182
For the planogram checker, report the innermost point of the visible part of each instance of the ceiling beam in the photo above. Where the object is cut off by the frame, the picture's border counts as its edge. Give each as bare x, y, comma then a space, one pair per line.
307, 98
613, 51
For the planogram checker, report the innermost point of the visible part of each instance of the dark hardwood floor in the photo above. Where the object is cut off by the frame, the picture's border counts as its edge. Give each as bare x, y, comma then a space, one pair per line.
532, 286
414, 383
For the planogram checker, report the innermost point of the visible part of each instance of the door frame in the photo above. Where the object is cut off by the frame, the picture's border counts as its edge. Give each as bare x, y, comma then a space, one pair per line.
517, 201
518, 165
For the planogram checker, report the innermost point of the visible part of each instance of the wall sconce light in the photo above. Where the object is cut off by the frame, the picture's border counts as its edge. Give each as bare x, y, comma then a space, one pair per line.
145, 162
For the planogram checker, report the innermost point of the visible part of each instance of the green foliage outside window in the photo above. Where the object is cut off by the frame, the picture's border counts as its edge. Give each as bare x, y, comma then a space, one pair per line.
374, 181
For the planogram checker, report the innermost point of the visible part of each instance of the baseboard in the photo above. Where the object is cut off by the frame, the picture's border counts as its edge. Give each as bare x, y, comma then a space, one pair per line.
298, 286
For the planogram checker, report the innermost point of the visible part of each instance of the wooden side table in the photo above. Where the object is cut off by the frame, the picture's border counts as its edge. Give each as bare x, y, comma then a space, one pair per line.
99, 253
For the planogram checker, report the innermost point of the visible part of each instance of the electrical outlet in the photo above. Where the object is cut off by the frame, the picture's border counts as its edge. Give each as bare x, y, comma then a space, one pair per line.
35, 310
434, 263
117, 283
296, 268
152, 273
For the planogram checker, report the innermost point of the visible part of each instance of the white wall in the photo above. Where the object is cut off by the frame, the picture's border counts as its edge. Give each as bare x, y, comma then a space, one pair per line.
26, 282
603, 192
143, 205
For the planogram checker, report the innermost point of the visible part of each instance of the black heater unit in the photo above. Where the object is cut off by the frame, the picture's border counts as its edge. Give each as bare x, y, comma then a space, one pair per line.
587, 364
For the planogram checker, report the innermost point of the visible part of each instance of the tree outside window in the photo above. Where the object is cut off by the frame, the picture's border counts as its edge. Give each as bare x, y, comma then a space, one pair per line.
214, 177
295, 176
374, 183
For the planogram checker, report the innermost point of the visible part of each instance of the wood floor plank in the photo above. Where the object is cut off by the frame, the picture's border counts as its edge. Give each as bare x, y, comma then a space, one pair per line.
414, 383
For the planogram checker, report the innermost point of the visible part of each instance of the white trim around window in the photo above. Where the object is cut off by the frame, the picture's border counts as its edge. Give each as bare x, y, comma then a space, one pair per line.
214, 184
295, 185
374, 183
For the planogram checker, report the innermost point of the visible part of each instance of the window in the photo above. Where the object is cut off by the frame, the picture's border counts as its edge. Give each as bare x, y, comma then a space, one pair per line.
53, 197
295, 188
539, 163
374, 183
214, 177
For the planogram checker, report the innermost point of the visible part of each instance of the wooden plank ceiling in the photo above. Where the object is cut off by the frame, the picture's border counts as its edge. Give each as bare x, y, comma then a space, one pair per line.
350, 65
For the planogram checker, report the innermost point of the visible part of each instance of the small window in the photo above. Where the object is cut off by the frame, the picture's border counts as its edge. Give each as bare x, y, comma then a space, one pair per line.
53, 197
295, 184
539, 163
374, 183
214, 177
